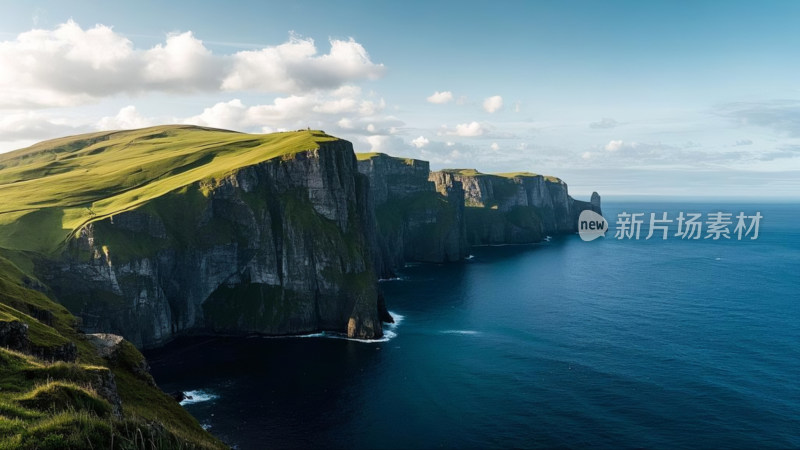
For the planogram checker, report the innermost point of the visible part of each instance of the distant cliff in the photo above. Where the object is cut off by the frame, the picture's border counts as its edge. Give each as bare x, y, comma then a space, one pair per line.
415, 221
515, 207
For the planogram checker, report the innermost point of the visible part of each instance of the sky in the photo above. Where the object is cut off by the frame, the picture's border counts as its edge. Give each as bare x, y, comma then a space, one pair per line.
620, 97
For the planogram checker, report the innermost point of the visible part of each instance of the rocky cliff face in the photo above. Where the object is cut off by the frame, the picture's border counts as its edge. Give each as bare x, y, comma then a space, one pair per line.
282, 247
415, 221
514, 208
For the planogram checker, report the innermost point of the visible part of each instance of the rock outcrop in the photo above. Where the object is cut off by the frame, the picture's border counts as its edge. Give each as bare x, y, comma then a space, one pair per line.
514, 208
285, 246
14, 335
415, 220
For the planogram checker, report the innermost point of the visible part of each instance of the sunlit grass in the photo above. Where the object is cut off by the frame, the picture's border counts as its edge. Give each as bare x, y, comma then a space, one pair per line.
53, 188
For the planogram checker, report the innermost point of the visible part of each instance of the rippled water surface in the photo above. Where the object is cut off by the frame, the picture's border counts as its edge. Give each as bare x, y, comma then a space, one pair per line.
604, 344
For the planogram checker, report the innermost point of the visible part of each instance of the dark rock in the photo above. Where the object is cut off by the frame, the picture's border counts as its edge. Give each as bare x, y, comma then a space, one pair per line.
104, 343
14, 336
106, 386
179, 396
383, 312
67, 352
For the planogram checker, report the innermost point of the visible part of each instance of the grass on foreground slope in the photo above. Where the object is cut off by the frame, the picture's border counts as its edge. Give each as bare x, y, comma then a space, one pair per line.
54, 405
53, 188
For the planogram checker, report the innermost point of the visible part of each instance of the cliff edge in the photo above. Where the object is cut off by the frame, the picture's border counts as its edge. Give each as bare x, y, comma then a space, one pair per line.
514, 208
178, 230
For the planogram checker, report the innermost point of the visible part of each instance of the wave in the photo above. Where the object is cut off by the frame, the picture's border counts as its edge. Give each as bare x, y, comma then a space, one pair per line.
470, 257
388, 333
197, 396
381, 280
463, 332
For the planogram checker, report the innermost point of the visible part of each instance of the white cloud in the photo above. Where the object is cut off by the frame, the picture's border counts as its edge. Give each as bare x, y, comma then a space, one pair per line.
337, 106
613, 146
33, 126
471, 129
494, 146
294, 67
69, 65
384, 144
441, 97
126, 118
183, 63
493, 104
228, 115
605, 122
586, 155
742, 142
369, 107
334, 112
420, 142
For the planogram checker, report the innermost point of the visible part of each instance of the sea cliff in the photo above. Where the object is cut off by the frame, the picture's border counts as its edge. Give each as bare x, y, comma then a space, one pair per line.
280, 247
514, 208
415, 221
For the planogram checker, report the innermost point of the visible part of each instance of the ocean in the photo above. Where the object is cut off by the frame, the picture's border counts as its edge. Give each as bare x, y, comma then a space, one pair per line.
613, 343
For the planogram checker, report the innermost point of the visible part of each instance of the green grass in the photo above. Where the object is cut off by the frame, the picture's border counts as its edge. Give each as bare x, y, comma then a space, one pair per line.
549, 178
65, 396
370, 155
464, 172
510, 175
366, 156
47, 404
53, 188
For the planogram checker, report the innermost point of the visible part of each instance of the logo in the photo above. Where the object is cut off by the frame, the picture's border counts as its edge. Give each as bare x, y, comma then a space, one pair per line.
591, 225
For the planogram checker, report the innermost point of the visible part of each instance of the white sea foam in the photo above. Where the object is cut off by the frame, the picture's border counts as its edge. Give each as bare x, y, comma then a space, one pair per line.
388, 333
464, 332
197, 397
397, 319
381, 280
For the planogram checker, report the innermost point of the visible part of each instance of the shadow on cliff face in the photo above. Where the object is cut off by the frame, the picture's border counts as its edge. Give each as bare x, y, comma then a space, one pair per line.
298, 380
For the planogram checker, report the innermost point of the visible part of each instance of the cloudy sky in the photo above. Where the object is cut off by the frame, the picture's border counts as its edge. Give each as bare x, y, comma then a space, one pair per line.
663, 98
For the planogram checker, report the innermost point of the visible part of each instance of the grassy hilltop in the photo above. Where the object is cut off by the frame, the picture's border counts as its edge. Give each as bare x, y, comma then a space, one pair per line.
53, 188
47, 193
510, 175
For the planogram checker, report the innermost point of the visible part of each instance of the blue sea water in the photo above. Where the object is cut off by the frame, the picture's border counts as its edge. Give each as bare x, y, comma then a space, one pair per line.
603, 344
